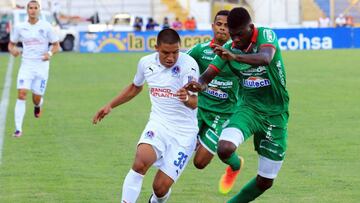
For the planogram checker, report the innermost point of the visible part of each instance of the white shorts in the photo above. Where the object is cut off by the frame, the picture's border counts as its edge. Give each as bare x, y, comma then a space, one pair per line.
172, 157
33, 75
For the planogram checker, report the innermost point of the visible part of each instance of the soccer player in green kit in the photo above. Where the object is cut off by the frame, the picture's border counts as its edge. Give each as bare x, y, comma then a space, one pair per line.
255, 56
216, 104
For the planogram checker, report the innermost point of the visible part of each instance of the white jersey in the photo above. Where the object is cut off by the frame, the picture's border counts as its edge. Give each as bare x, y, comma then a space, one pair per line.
35, 38
163, 84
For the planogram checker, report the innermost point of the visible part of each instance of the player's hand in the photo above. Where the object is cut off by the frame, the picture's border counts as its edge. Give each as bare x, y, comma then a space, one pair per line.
101, 114
194, 86
15, 51
183, 95
46, 57
223, 53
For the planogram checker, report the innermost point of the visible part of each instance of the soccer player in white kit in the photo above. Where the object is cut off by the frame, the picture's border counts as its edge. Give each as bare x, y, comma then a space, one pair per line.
35, 35
169, 138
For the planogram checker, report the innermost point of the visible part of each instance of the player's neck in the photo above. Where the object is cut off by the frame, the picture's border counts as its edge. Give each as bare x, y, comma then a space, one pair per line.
33, 21
219, 42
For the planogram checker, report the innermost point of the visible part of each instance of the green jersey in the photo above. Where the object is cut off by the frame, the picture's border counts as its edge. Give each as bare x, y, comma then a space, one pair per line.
263, 87
222, 93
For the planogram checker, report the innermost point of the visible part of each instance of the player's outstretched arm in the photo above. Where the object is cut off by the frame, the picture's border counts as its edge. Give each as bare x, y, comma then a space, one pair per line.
125, 95
204, 80
13, 49
188, 99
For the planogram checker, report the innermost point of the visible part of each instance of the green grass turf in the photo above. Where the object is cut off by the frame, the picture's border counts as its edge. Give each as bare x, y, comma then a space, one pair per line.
62, 157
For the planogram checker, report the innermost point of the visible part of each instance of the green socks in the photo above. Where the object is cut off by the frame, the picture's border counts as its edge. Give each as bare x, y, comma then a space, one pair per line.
233, 162
248, 193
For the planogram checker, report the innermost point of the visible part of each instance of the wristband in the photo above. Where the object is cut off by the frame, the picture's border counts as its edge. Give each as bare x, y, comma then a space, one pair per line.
50, 53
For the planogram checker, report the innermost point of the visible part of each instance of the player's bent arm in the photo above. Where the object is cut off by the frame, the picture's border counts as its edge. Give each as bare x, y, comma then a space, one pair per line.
12, 49
55, 47
126, 95
263, 58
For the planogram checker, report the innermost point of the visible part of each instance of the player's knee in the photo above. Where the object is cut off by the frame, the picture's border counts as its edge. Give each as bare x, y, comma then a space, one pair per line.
200, 163
264, 183
160, 189
225, 149
140, 167
22, 95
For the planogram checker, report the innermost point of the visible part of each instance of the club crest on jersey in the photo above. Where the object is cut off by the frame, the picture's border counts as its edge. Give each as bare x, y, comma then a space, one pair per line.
21, 81
41, 32
175, 72
191, 78
150, 134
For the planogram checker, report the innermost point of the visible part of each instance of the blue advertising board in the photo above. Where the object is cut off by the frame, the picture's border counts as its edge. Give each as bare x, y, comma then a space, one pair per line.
289, 39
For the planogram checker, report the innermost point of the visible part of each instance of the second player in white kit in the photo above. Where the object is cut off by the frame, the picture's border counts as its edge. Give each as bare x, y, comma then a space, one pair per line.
35, 35
169, 138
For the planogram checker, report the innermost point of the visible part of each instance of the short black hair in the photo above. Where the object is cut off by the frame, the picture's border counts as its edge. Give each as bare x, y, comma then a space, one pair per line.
33, 1
168, 36
238, 17
221, 13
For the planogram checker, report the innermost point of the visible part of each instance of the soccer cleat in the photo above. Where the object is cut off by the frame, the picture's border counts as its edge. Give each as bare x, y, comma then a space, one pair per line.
228, 179
17, 133
150, 198
37, 111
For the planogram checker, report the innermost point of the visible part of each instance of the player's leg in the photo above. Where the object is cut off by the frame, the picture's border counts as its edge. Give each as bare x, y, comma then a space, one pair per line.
161, 188
235, 132
20, 109
210, 127
24, 80
38, 87
144, 159
174, 160
271, 146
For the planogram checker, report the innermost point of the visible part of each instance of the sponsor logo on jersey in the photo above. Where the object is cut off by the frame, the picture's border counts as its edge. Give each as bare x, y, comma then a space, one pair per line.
162, 92
216, 93
256, 82
209, 58
222, 84
255, 71
150, 134
175, 71
269, 35
208, 52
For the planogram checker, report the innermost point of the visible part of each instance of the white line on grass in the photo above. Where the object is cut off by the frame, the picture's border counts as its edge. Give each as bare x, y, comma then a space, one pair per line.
5, 102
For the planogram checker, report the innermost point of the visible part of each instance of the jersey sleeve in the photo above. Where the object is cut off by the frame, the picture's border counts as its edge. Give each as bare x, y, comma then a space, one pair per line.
267, 37
15, 36
52, 36
139, 78
194, 52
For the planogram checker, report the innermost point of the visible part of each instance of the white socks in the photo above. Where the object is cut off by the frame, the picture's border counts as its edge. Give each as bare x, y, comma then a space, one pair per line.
132, 187
155, 199
20, 109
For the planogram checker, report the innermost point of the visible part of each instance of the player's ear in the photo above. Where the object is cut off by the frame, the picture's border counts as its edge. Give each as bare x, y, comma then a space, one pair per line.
156, 47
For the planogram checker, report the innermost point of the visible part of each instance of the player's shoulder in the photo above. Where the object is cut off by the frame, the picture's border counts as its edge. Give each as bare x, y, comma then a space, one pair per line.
266, 33
205, 44
186, 61
45, 24
150, 58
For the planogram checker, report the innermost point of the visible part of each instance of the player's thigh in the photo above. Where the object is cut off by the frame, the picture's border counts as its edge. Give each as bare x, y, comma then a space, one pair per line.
39, 84
272, 141
176, 158
211, 128
241, 125
25, 78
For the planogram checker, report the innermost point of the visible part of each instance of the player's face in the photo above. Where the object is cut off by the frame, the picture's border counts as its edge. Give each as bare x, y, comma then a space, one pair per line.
220, 28
241, 36
168, 53
33, 10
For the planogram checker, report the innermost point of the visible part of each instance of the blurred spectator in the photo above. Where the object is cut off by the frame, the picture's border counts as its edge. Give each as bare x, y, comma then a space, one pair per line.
94, 19
324, 21
151, 24
340, 21
349, 21
166, 23
137, 24
177, 24
190, 24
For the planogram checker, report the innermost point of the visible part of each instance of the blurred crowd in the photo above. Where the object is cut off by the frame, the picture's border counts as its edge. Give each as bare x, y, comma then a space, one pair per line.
189, 24
340, 21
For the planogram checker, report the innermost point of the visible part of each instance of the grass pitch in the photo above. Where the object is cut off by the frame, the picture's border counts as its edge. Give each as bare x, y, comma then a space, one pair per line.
62, 157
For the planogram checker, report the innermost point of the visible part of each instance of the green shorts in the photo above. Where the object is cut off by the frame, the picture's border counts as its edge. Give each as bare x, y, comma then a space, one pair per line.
210, 127
270, 132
